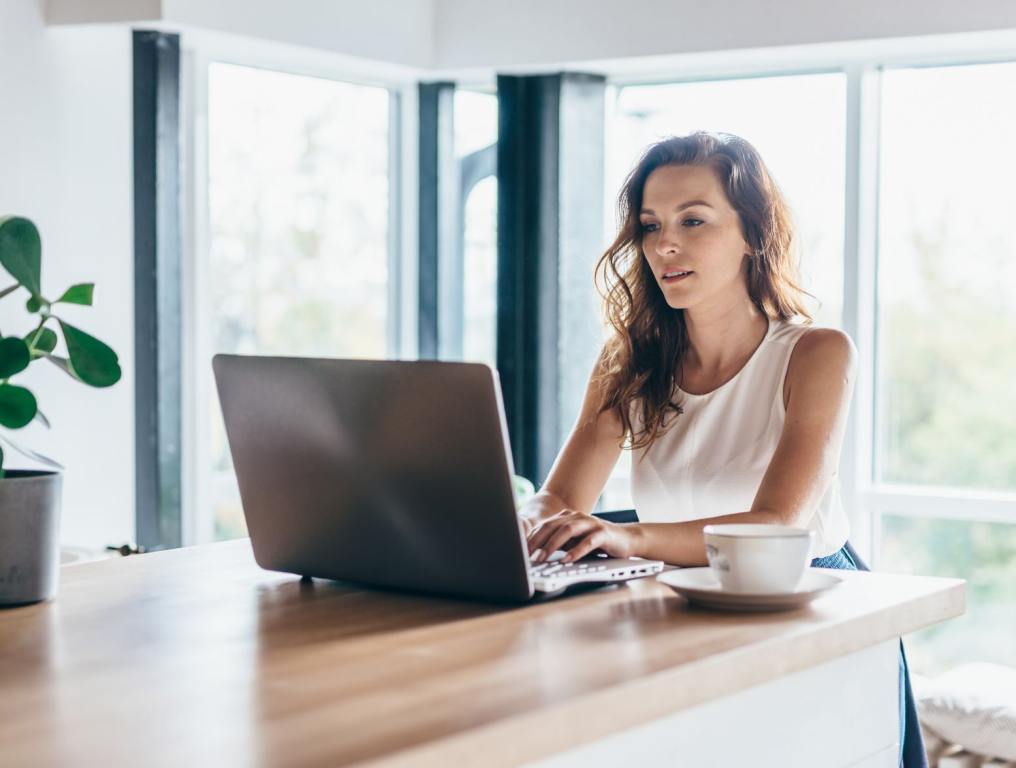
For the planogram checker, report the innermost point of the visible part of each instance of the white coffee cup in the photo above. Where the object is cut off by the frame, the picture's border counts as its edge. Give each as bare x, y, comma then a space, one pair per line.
758, 558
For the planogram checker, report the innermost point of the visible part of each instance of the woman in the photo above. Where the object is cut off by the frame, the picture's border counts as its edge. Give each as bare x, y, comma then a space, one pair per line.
732, 403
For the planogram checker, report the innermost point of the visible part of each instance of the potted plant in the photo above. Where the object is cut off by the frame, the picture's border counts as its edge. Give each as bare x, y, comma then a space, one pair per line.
29, 498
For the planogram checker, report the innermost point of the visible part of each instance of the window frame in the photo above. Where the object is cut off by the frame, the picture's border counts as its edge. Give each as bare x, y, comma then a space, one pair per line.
878, 497
907, 499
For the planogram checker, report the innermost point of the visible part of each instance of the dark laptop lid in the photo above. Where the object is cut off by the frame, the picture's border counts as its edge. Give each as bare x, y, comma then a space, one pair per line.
393, 473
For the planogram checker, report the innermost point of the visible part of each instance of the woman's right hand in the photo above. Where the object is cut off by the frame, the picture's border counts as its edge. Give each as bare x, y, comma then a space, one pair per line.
539, 509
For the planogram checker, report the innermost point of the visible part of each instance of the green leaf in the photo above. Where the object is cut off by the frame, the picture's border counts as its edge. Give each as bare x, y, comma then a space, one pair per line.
13, 356
91, 360
78, 294
34, 304
45, 344
21, 251
17, 406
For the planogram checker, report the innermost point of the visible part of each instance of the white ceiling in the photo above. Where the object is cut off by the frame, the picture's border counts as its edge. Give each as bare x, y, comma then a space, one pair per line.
449, 36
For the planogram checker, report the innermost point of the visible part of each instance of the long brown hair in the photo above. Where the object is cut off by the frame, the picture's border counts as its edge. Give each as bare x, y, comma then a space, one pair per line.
643, 355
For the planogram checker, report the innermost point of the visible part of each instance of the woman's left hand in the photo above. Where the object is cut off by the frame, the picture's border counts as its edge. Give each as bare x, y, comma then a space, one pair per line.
584, 533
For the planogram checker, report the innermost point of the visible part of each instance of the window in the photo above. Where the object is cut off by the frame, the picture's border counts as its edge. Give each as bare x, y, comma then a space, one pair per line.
947, 278
475, 149
796, 122
945, 426
479, 342
298, 197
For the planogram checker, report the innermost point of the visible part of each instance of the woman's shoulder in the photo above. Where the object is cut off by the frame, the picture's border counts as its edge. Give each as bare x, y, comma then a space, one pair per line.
823, 341
818, 348
809, 336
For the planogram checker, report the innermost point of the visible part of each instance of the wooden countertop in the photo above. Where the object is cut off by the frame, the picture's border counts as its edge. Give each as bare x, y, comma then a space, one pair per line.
197, 656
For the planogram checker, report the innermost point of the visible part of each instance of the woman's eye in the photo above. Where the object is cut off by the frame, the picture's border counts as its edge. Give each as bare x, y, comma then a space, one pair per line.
650, 227
686, 221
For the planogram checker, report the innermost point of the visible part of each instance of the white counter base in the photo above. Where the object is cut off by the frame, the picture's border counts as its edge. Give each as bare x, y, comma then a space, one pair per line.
844, 712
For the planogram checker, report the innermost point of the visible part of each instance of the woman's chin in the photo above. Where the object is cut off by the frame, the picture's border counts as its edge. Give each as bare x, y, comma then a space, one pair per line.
676, 302
677, 297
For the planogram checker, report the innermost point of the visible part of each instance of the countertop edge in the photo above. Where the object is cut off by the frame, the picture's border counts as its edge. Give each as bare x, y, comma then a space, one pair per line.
558, 727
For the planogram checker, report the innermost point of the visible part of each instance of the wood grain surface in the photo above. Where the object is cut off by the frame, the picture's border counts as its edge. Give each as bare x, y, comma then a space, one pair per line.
198, 657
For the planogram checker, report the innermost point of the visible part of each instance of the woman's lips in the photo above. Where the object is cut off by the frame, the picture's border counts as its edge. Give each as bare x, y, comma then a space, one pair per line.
674, 277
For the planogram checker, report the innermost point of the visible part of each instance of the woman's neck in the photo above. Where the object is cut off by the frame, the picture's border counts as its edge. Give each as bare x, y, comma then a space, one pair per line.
722, 338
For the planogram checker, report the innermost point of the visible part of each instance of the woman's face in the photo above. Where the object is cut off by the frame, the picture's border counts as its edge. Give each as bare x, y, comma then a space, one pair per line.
691, 237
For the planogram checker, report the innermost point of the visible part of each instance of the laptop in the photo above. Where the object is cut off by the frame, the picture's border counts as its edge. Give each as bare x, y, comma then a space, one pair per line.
395, 474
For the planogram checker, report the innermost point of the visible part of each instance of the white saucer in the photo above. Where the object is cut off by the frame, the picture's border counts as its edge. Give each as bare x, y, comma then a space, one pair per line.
701, 587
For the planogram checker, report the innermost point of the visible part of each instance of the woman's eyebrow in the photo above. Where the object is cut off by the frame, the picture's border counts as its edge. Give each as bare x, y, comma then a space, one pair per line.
681, 207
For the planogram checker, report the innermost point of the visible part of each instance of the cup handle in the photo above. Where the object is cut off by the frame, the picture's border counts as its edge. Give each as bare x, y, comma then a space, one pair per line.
716, 560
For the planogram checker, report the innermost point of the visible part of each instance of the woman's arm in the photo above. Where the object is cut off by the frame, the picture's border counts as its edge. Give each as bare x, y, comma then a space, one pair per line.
583, 465
817, 393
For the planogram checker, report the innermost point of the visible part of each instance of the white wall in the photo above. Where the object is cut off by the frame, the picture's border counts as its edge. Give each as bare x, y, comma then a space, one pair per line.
528, 33
445, 37
100, 11
451, 35
65, 162
392, 31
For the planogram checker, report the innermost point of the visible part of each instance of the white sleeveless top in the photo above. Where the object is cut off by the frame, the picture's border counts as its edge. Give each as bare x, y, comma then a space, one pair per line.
711, 458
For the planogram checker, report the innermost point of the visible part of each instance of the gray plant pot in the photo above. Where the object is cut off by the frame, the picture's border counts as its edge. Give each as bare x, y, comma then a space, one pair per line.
29, 535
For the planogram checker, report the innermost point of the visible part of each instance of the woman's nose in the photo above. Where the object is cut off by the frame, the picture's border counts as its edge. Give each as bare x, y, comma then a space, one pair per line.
667, 243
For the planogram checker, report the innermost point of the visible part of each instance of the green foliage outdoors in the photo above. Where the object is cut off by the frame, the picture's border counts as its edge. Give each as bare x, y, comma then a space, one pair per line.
982, 553
949, 371
949, 364
88, 360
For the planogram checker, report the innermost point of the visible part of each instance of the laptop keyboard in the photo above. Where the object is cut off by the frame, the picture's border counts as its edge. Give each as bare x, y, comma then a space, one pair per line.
552, 573
553, 568
558, 570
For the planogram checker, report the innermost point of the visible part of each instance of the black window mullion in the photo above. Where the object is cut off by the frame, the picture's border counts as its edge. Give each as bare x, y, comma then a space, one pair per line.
157, 321
438, 185
544, 125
